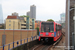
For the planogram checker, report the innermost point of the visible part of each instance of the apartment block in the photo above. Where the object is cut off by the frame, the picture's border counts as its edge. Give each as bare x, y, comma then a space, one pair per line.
17, 22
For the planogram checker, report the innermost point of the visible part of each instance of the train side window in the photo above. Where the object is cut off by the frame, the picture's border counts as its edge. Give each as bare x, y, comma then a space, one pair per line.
42, 28
56, 27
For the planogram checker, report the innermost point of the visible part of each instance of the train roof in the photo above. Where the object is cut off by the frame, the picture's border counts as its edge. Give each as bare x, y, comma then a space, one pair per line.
57, 23
50, 22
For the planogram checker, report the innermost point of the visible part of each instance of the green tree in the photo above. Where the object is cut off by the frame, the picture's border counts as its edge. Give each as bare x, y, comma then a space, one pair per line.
50, 20
24, 16
2, 27
37, 30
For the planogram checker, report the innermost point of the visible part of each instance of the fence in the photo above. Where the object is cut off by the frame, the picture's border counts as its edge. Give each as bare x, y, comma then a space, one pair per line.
15, 32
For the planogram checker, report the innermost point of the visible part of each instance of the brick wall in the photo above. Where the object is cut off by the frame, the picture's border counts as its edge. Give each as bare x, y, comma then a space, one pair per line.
17, 36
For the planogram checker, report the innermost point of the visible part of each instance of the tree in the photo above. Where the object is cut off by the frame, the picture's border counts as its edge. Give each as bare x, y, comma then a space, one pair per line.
37, 30
50, 20
2, 27
24, 16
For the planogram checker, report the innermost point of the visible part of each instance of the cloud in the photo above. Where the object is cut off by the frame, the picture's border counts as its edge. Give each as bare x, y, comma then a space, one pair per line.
44, 8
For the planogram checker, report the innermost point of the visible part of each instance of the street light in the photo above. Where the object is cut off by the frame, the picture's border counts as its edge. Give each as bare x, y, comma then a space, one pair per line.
13, 33
20, 32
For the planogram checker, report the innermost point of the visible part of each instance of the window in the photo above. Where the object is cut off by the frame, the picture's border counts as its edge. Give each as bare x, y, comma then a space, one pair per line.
9, 28
23, 28
23, 24
25, 21
30, 25
32, 20
9, 20
9, 24
47, 27
58, 28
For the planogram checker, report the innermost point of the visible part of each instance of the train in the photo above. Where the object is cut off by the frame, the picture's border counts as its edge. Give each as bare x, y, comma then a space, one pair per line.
49, 31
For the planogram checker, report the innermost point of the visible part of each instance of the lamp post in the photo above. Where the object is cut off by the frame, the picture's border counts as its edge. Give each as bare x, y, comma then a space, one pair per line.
3, 42
20, 33
13, 33
4, 26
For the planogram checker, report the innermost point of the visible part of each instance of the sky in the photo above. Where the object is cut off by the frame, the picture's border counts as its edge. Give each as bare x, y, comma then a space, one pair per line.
45, 9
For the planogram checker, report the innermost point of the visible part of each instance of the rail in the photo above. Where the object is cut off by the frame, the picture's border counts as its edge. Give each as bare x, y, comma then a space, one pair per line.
19, 41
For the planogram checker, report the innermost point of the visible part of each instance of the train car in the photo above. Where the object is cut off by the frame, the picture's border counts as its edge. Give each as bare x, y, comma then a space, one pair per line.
49, 31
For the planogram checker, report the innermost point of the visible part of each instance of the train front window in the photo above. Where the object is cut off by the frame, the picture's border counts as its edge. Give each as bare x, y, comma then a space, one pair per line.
47, 27
42, 28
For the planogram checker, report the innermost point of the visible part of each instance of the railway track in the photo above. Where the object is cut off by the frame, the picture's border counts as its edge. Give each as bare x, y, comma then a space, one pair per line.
50, 46
46, 46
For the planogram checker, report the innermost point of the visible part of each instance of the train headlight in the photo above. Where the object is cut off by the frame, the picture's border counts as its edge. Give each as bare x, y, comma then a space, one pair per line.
41, 34
52, 31
52, 34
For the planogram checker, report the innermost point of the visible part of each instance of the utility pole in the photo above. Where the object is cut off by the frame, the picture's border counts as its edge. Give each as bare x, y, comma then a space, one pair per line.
20, 33
67, 24
13, 33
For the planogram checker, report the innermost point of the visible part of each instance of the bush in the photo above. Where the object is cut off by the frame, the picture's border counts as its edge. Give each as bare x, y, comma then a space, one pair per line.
37, 30
50, 20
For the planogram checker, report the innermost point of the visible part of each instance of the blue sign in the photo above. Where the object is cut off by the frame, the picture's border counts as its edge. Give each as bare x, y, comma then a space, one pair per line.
47, 33
54, 34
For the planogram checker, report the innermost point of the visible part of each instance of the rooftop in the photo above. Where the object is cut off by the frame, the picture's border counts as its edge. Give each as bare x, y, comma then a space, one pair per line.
12, 17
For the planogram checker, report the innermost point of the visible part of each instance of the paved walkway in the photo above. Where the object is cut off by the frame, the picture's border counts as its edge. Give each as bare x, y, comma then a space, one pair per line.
60, 45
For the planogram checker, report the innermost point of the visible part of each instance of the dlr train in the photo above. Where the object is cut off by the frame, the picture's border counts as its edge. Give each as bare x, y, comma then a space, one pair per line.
49, 31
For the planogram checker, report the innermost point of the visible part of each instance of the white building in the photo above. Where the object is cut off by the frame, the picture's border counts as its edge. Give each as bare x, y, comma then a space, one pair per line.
59, 22
62, 16
1, 14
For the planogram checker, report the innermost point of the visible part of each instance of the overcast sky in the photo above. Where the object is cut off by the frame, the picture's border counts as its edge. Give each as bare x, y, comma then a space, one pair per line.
45, 9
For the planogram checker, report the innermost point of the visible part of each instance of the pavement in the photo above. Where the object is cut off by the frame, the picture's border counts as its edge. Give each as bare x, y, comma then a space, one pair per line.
60, 45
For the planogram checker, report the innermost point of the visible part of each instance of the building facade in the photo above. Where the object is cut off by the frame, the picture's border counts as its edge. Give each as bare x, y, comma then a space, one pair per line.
62, 16
28, 13
58, 22
16, 22
14, 14
33, 11
1, 14
37, 24
69, 24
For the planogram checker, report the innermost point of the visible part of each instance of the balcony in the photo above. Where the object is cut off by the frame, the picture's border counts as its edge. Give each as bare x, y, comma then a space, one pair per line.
23, 26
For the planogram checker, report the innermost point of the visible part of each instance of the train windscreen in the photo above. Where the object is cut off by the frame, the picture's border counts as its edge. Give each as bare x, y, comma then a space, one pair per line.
47, 27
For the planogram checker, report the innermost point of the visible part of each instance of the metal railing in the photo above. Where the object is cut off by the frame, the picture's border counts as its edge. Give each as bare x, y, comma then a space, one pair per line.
17, 43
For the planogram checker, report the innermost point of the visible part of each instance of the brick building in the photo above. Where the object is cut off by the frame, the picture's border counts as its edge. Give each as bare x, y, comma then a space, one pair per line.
37, 24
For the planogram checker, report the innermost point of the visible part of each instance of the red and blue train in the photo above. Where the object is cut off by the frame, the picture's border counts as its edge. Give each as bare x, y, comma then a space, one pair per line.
49, 31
